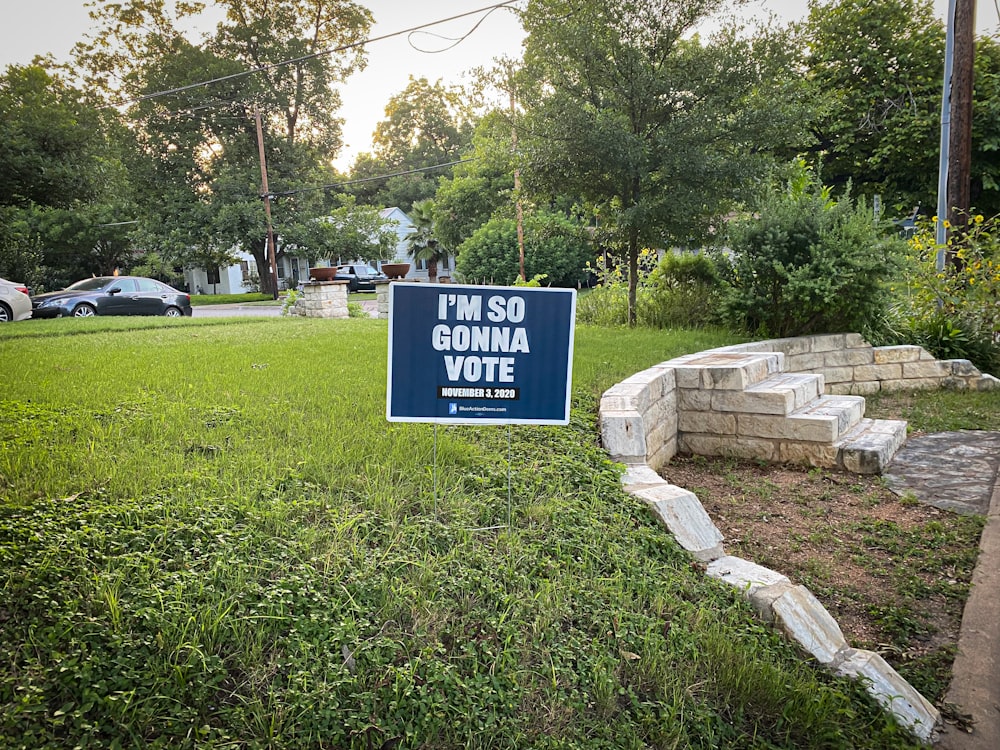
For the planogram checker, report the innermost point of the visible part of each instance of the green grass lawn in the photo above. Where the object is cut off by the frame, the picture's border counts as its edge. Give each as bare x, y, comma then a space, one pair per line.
211, 537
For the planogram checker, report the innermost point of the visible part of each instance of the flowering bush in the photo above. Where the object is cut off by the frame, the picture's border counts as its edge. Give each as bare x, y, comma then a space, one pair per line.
954, 312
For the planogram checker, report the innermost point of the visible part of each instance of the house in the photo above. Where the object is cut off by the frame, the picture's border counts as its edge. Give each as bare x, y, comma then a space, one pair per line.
244, 276
402, 226
239, 278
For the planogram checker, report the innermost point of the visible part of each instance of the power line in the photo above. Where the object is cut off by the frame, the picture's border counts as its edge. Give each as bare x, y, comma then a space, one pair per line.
313, 55
454, 41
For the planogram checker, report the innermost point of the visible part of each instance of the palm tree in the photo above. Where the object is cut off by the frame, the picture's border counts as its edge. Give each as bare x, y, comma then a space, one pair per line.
422, 243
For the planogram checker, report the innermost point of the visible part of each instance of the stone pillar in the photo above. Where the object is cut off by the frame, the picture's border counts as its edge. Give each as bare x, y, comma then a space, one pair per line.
322, 299
382, 298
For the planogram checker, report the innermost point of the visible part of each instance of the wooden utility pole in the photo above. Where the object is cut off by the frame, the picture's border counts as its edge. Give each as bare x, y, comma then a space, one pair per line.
266, 196
960, 137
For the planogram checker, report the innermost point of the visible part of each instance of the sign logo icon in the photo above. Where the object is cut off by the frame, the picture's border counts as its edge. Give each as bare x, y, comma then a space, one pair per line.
453, 408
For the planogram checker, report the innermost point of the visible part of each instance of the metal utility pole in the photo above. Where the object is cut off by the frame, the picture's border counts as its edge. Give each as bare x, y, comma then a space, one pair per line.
941, 234
266, 196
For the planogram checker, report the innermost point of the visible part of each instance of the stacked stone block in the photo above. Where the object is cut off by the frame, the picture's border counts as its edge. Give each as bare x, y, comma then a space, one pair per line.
850, 365
382, 298
322, 299
639, 417
792, 609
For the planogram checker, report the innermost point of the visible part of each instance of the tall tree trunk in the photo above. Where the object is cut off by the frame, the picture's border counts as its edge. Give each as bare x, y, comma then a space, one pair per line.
432, 271
259, 252
633, 253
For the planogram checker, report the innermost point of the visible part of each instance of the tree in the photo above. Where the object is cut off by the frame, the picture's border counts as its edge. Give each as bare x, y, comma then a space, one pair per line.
877, 69
425, 125
348, 232
50, 140
479, 188
200, 141
62, 181
656, 128
421, 241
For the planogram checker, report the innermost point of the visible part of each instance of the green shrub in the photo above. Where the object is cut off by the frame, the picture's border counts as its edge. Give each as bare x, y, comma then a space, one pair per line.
677, 269
681, 291
605, 306
807, 264
553, 246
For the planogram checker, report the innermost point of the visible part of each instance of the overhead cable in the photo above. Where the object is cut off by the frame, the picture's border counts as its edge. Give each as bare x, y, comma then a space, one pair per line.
321, 53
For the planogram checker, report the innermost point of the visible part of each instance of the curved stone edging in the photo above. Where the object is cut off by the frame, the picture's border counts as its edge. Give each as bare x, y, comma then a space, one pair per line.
641, 427
792, 609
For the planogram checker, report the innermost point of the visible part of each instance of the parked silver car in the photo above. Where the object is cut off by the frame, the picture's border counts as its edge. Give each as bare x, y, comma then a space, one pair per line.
15, 304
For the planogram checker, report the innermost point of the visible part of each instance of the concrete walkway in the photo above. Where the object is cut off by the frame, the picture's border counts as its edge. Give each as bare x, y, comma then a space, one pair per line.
960, 471
259, 311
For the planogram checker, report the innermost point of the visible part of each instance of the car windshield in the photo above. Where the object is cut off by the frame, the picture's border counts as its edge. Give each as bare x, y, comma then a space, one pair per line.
89, 285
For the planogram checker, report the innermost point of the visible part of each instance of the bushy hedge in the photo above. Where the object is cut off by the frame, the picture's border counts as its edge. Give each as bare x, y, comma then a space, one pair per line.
553, 246
808, 264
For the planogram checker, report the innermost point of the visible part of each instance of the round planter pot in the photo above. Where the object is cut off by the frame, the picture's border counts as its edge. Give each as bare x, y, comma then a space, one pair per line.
323, 274
395, 270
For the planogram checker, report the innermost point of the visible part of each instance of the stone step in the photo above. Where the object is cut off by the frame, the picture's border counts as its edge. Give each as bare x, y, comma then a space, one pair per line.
823, 420
725, 371
781, 394
870, 446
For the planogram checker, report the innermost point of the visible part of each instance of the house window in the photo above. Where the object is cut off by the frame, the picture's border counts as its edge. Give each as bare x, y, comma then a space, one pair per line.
245, 269
213, 275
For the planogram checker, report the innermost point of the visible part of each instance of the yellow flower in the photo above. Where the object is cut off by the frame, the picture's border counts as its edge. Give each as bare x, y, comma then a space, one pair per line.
978, 218
947, 224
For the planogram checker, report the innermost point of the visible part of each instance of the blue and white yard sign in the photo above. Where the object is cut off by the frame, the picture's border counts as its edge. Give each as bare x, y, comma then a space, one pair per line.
480, 354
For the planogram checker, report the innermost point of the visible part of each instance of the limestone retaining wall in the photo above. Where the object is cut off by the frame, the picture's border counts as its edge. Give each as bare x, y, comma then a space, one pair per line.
678, 405
646, 418
850, 365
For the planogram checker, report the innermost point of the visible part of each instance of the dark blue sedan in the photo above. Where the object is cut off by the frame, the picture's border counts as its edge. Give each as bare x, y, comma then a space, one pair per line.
112, 295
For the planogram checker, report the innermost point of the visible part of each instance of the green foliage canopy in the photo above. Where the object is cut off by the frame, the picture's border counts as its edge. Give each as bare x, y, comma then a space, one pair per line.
658, 129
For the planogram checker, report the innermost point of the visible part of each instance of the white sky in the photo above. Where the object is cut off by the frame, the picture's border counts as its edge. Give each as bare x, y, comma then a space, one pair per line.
33, 27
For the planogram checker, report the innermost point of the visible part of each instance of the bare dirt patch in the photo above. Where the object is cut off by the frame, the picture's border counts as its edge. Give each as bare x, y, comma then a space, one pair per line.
894, 573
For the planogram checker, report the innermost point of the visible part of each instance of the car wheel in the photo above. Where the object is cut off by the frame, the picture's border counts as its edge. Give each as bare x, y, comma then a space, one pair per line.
84, 311
6, 315
172, 312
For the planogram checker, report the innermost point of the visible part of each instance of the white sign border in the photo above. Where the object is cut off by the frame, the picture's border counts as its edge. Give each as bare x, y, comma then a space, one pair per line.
447, 289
